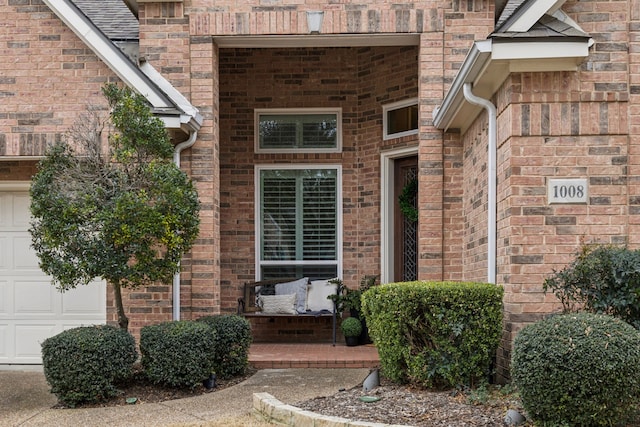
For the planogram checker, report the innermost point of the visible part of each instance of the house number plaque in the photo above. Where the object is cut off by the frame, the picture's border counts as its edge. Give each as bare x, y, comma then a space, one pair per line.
570, 190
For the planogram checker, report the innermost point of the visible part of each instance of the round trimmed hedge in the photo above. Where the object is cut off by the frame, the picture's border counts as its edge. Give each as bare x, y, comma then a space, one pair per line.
178, 354
233, 338
84, 364
578, 369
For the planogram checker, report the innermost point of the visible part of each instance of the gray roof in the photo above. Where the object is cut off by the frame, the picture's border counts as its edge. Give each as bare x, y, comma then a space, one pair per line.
112, 17
547, 26
509, 10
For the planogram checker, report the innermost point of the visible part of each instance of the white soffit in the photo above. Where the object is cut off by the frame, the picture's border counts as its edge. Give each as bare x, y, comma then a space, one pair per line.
489, 63
539, 50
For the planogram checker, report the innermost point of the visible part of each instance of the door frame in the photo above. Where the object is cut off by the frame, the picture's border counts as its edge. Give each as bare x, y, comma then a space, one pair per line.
387, 219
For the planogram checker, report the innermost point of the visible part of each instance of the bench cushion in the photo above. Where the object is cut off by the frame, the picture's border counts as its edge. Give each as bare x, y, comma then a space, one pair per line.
317, 295
278, 304
297, 287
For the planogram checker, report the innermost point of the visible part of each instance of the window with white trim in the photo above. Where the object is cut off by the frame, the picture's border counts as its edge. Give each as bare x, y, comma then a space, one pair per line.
298, 130
400, 118
299, 226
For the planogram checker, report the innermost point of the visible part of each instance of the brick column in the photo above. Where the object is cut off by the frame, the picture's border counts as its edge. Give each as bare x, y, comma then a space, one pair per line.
430, 158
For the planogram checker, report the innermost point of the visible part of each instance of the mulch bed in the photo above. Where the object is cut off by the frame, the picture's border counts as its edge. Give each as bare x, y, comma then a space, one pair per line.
144, 391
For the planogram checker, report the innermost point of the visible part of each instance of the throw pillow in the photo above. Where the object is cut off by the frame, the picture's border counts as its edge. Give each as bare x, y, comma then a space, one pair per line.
317, 296
297, 287
278, 304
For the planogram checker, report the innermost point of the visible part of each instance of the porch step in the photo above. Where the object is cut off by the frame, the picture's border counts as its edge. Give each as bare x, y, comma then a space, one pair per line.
294, 355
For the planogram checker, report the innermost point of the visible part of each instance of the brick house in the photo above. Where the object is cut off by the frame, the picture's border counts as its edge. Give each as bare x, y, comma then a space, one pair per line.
515, 118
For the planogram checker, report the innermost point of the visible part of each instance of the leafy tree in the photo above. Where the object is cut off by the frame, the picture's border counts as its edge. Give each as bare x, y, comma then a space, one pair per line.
601, 279
124, 213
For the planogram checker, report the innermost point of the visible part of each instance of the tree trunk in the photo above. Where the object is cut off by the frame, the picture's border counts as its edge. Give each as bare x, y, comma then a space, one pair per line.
123, 320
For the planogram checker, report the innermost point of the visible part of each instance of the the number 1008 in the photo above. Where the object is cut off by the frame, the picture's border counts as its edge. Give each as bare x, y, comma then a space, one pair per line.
568, 191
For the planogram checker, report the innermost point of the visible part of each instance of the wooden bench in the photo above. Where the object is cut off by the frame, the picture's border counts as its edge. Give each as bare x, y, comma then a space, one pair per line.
310, 326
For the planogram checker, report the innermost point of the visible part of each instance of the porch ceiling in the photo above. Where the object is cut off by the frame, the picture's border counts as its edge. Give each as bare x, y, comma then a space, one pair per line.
317, 40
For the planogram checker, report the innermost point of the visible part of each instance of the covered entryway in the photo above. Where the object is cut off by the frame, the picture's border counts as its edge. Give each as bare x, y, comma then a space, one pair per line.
31, 309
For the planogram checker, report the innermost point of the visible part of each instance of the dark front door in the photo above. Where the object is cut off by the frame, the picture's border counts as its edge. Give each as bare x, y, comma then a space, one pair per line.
406, 226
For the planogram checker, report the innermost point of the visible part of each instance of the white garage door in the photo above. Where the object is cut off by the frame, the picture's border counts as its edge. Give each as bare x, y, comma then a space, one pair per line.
31, 309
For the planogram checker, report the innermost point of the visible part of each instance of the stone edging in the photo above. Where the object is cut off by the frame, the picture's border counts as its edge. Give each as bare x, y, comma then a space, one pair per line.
270, 409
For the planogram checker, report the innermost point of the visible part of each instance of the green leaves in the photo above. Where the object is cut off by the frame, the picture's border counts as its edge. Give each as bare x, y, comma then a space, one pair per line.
435, 333
601, 279
578, 369
126, 214
84, 364
178, 353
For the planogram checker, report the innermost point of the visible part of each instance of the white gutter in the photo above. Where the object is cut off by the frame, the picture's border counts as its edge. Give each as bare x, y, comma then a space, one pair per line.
491, 177
176, 277
474, 65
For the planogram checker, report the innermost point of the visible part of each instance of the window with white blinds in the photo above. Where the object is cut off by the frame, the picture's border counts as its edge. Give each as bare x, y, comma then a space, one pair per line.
299, 222
298, 130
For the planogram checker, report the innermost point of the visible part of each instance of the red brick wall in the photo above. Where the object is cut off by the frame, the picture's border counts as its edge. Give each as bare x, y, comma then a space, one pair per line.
230, 17
17, 170
47, 78
357, 80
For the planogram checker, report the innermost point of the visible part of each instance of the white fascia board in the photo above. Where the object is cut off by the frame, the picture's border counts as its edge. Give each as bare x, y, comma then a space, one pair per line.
489, 63
192, 116
107, 52
532, 14
539, 50
474, 65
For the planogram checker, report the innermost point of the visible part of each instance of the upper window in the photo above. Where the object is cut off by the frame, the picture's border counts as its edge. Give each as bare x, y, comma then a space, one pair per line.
400, 118
299, 223
298, 130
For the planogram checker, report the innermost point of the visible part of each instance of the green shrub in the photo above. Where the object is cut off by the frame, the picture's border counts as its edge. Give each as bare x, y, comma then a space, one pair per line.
83, 364
178, 354
601, 279
435, 333
351, 327
233, 338
577, 369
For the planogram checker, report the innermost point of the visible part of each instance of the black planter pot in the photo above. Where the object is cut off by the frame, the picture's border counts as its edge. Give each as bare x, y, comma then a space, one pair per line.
364, 335
351, 341
210, 382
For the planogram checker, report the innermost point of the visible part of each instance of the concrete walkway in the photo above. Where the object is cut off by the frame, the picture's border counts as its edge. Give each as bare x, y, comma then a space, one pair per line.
25, 400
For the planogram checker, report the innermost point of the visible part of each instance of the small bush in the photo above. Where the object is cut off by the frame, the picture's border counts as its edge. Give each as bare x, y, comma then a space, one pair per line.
178, 354
84, 364
435, 333
601, 279
233, 338
351, 327
578, 369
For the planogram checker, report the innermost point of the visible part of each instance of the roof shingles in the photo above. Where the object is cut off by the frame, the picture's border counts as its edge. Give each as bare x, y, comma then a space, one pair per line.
112, 17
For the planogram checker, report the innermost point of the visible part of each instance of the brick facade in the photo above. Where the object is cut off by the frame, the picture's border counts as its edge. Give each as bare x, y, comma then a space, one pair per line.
552, 124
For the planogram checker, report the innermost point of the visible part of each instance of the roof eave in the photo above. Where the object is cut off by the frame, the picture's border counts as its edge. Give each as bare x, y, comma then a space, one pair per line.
529, 14
489, 63
126, 70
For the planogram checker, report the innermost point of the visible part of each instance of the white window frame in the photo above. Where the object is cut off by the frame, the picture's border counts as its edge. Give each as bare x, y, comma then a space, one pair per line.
258, 231
385, 118
296, 112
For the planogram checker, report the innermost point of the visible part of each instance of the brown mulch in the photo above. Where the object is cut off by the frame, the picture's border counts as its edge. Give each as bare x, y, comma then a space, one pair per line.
406, 405
146, 392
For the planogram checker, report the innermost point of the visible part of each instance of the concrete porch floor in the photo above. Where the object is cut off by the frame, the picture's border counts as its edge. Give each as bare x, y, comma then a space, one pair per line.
295, 355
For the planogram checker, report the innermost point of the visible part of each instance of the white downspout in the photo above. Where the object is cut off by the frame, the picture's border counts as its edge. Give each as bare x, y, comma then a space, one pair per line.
176, 277
492, 178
